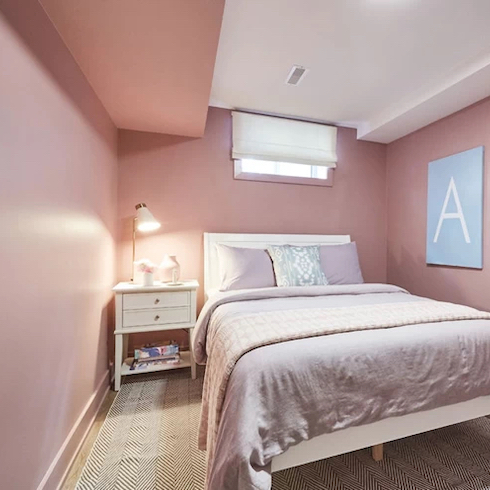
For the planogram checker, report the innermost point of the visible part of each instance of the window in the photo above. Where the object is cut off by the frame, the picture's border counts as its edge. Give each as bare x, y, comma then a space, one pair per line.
272, 149
283, 172
284, 169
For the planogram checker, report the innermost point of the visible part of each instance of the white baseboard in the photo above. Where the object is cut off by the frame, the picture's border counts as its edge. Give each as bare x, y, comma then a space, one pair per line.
58, 469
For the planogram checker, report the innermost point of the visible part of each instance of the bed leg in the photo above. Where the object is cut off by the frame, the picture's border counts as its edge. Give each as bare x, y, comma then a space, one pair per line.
377, 452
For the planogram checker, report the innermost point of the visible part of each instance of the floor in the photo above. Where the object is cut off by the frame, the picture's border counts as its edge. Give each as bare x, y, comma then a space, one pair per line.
456, 457
77, 467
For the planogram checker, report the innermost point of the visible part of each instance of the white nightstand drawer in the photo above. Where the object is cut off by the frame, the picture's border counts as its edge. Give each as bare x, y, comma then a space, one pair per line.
161, 316
156, 300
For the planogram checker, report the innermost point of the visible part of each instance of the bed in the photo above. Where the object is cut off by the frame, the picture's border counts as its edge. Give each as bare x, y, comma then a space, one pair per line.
313, 396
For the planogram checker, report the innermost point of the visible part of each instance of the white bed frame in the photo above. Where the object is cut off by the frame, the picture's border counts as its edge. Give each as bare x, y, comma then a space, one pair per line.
354, 438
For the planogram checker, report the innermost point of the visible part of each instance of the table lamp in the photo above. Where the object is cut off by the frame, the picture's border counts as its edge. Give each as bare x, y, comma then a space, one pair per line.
143, 221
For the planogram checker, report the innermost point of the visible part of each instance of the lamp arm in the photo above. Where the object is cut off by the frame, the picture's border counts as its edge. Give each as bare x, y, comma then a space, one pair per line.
134, 249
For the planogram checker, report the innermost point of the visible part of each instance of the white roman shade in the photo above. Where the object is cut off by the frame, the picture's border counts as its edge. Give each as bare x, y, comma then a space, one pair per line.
283, 140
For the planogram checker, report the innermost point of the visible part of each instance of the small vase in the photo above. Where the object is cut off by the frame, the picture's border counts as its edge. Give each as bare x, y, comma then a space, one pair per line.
147, 278
169, 269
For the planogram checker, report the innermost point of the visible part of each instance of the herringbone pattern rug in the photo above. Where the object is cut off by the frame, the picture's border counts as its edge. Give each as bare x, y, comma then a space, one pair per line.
148, 442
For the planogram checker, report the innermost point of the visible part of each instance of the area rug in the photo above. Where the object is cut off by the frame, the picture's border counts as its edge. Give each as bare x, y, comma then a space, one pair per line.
148, 442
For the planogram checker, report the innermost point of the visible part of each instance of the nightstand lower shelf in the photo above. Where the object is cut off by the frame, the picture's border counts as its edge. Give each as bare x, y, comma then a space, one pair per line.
185, 362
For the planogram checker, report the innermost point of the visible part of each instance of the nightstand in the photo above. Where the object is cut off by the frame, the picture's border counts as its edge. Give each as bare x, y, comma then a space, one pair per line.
152, 309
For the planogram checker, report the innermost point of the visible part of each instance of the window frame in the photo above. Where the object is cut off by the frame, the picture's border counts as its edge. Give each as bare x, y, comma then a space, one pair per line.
240, 174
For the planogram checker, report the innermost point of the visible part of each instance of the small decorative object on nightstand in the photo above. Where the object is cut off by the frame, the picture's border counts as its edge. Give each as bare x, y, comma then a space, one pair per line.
152, 309
147, 268
170, 269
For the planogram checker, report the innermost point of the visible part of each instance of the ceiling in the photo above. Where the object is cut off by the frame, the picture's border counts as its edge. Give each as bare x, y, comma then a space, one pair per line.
149, 61
386, 67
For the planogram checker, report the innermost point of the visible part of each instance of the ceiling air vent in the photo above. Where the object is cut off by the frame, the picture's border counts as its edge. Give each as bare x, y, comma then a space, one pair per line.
296, 74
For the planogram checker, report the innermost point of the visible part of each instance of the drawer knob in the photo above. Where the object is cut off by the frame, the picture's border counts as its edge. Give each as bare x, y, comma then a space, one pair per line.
157, 317
157, 301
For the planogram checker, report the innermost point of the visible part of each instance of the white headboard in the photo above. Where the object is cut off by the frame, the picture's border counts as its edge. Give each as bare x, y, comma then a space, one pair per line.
211, 266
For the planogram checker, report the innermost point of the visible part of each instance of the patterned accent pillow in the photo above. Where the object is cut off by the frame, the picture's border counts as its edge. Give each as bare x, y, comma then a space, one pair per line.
297, 266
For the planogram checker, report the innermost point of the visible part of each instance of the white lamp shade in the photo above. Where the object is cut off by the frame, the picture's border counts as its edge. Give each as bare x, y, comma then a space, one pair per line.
145, 220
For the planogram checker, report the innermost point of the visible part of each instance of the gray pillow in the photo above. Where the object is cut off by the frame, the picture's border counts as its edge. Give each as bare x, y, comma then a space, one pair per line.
340, 263
297, 266
244, 268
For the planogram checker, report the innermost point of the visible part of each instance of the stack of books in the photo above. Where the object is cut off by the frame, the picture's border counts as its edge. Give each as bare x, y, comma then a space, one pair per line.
155, 355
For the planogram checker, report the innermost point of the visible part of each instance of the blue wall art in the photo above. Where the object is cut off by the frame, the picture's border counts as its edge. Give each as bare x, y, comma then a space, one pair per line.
455, 210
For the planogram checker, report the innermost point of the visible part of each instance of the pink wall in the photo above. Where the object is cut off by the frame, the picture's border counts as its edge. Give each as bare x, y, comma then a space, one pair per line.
407, 161
188, 184
58, 159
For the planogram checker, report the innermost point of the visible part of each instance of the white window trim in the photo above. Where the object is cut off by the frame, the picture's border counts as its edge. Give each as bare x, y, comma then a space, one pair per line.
282, 179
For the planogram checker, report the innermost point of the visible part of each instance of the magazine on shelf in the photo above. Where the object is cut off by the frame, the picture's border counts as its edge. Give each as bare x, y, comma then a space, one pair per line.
153, 351
143, 364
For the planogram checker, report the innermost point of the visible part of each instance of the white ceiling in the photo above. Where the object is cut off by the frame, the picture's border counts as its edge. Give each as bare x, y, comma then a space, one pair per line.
386, 67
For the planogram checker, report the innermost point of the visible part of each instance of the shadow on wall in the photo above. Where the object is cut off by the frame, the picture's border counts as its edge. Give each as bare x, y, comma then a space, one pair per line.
431, 281
147, 142
107, 320
36, 25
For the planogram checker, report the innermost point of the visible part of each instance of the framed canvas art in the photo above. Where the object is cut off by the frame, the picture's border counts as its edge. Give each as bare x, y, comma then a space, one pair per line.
455, 210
